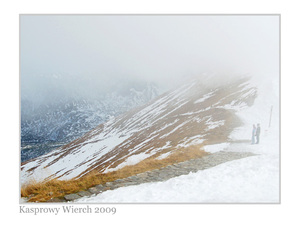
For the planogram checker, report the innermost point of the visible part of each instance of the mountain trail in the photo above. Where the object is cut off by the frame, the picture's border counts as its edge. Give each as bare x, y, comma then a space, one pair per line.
165, 173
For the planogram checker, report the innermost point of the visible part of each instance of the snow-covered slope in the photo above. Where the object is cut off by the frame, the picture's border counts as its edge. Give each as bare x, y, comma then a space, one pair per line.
193, 114
254, 179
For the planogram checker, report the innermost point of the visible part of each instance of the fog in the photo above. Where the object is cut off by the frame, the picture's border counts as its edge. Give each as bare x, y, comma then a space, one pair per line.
89, 55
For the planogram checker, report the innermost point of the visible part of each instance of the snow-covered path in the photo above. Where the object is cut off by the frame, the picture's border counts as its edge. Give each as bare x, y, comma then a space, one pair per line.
250, 180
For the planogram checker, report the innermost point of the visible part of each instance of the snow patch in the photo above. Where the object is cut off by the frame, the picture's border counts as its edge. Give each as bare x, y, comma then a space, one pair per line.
195, 140
131, 160
163, 156
213, 124
216, 147
205, 97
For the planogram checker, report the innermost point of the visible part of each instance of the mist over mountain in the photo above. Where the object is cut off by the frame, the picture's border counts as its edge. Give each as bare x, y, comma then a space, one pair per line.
53, 118
79, 71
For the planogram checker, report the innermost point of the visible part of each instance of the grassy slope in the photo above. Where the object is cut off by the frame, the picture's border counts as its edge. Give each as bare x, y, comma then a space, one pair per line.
43, 191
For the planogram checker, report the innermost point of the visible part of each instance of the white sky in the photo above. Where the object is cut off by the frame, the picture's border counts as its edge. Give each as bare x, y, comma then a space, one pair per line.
104, 49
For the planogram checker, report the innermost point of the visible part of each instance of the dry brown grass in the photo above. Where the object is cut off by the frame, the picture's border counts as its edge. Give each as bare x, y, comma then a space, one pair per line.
44, 191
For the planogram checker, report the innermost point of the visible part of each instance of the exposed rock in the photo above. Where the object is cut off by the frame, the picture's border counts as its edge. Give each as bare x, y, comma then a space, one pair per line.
84, 193
71, 197
57, 200
94, 190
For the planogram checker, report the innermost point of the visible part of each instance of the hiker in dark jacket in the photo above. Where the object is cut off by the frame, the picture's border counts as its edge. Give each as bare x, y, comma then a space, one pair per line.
257, 133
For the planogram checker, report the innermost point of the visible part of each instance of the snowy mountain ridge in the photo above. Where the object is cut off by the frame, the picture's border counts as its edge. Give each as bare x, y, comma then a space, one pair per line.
193, 114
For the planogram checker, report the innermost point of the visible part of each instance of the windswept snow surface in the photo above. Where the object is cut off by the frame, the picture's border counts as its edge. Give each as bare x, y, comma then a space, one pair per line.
255, 179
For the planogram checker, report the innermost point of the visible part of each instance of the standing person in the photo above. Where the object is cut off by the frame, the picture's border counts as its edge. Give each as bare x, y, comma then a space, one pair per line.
253, 134
257, 133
